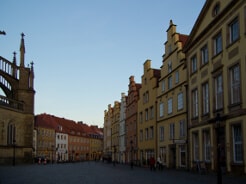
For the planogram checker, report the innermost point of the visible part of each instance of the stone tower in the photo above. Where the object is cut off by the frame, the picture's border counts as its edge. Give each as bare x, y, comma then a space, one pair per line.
16, 109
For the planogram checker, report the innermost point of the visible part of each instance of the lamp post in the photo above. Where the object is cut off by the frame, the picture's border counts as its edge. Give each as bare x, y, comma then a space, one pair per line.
131, 142
52, 157
219, 174
14, 144
114, 154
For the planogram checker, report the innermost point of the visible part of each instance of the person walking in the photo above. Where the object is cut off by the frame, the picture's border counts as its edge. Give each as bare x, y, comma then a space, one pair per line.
159, 163
152, 163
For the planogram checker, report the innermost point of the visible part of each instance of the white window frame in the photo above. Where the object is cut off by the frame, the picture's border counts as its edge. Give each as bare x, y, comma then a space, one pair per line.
170, 106
161, 109
207, 145
235, 84
180, 101
170, 82
218, 44
205, 98
182, 128
218, 92
237, 143
234, 30
177, 77
195, 103
161, 130
193, 64
172, 131
163, 86
204, 54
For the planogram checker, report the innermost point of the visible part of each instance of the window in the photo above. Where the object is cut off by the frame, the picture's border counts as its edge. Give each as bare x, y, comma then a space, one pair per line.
161, 137
146, 133
180, 101
170, 106
169, 48
234, 30
205, 98
235, 84
162, 86
147, 97
204, 55
146, 115
140, 117
163, 155
195, 147
172, 131
193, 64
216, 10
152, 113
237, 144
217, 44
170, 82
161, 109
218, 92
177, 77
151, 132
169, 67
11, 134
207, 145
195, 103
182, 129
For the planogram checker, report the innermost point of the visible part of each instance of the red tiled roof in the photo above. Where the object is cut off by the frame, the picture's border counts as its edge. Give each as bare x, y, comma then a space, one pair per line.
64, 125
183, 38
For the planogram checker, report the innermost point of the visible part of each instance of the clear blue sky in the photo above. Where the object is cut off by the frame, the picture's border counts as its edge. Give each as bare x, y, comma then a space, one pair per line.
84, 51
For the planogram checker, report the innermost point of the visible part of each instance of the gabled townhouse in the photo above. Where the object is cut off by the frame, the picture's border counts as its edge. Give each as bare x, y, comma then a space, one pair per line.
172, 102
122, 129
131, 120
61, 146
216, 63
107, 133
46, 137
96, 141
146, 125
115, 131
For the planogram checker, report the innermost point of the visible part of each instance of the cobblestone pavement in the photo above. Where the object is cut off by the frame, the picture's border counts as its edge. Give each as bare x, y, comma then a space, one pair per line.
104, 173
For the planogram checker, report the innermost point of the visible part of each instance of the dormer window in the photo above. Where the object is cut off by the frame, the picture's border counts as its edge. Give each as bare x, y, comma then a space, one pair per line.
216, 9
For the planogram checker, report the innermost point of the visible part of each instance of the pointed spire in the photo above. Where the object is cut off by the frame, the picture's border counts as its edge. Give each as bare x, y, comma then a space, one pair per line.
32, 63
22, 51
14, 58
171, 22
14, 67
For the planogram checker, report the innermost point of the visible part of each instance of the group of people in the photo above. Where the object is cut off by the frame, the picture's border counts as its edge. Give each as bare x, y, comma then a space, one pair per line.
155, 164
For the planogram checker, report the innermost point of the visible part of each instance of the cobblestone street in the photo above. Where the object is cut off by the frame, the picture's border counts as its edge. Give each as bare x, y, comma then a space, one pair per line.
98, 172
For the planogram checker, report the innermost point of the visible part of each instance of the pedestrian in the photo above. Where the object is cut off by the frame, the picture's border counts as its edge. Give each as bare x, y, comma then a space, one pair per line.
152, 163
159, 163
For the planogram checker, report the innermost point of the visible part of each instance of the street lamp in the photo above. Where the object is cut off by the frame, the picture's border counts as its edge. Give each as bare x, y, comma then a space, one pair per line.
131, 142
114, 154
14, 144
219, 174
52, 154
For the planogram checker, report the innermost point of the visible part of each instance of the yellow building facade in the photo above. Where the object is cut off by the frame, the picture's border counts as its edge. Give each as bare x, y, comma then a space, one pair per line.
216, 63
171, 103
147, 113
115, 131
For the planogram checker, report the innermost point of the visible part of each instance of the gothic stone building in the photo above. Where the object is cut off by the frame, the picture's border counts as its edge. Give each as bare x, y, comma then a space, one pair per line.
16, 110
